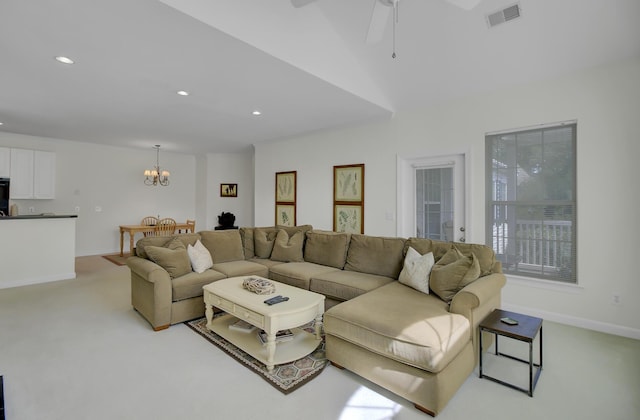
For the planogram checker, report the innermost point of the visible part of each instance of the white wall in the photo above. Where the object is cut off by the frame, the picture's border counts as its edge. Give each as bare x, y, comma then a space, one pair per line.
229, 168
89, 175
605, 102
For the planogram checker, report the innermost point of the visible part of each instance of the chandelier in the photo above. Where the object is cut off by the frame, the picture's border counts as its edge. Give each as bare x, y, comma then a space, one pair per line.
155, 176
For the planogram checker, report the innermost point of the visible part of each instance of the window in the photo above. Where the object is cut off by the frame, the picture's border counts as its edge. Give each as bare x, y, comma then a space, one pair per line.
531, 201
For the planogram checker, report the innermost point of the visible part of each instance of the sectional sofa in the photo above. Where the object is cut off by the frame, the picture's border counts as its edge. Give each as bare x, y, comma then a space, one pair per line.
419, 341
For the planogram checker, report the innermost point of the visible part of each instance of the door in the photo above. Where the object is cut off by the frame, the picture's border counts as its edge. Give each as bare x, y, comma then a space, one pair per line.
432, 198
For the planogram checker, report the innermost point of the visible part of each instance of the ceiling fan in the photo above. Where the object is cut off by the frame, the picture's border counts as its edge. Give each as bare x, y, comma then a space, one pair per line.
381, 11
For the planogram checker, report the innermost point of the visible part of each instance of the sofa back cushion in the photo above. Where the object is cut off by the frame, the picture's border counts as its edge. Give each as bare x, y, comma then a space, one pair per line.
485, 255
224, 245
246, 234
375, 255
288, 248
264, 238
186, 239
327, 248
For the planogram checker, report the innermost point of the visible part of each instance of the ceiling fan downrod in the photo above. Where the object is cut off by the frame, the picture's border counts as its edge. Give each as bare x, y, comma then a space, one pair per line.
395, 21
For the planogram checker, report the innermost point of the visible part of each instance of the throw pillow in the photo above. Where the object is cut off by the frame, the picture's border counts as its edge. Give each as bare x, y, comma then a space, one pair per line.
288, 248
200, 257
172, 257
416, 270
264, 240
447, 280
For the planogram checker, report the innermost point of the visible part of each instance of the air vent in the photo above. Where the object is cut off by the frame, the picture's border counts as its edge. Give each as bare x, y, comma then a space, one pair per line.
504, 15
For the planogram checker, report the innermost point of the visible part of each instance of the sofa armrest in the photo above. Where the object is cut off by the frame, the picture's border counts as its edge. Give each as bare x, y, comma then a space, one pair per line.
477, 300
151, 293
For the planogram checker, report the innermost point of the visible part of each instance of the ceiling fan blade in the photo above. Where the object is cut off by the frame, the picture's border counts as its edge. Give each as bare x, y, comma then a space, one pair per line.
378, 23
301, 3
465, 4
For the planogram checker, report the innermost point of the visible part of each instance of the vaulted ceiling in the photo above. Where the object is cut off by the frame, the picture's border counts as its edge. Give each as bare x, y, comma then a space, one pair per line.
304, 68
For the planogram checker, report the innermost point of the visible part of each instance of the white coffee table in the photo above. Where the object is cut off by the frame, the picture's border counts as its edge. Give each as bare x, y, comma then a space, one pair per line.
302, 307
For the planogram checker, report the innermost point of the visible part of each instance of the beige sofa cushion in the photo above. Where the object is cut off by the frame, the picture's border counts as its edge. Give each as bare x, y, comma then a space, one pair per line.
413, 328
186, 239
246, 234
288, 248
486, 256
375, 255
241, 268
327, 248
224, 245
297, 273
190, 285
172, 257
264, 239
343, 285
452, 273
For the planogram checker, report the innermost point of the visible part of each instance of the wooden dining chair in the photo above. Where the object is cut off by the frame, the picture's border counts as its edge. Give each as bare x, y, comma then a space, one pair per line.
191, 226
166, 227
149, 221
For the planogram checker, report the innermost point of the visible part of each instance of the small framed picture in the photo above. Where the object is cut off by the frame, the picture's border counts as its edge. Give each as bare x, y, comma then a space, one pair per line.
228, 190
348, 183
286, 187
285, 214
348, 218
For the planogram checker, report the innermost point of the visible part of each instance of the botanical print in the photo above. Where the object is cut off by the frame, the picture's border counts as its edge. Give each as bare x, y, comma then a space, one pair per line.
349, 219
348, 183
285, 215
286, 186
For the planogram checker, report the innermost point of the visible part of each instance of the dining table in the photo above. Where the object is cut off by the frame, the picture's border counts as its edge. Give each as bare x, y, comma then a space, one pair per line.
133, 229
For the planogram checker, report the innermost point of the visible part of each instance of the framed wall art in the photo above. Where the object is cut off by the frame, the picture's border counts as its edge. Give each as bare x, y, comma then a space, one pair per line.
348, 218
285, 215
348, 198
286, 198
348, 183
286, 187
228, 190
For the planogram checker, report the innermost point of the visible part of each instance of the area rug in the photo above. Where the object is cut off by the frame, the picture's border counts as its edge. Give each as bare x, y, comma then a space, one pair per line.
286, 377
116, 258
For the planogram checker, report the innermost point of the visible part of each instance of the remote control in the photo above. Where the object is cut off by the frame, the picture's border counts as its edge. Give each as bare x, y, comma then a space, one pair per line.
276, 299
509, 321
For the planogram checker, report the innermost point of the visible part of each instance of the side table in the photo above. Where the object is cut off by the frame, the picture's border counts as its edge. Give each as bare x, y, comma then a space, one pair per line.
526, 330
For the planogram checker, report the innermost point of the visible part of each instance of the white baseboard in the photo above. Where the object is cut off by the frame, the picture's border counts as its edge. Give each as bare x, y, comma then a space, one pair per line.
575, 321
37, 280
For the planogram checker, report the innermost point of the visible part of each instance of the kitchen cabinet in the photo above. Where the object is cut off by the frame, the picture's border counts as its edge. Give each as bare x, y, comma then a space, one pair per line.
32, 174
5, 162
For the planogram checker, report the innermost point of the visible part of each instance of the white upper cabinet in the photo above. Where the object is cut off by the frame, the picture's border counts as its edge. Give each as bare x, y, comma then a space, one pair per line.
21, 174
44, 175
5, 162
33, 174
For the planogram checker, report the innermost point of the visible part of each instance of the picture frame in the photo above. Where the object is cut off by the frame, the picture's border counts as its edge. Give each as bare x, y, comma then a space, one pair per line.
228, 190
286, 187
285, 215
348, 183
348, 218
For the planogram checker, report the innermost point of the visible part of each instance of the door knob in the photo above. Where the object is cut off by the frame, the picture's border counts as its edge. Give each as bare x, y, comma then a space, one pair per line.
462, 229
462, 239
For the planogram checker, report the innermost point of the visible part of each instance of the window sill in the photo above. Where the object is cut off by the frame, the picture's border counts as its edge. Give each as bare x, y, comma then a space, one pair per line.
545, 284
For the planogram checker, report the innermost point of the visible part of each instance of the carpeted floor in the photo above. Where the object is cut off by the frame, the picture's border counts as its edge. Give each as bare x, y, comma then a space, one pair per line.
286, 377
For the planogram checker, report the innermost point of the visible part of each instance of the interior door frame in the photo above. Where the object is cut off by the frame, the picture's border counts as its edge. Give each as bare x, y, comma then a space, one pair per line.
406, 189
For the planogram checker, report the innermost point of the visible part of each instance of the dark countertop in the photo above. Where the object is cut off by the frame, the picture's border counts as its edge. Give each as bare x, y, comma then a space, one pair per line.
39, 216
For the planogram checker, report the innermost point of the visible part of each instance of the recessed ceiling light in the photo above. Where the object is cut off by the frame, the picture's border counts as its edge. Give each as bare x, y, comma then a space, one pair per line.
183, 93
256, 113
64, 60
1, 123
